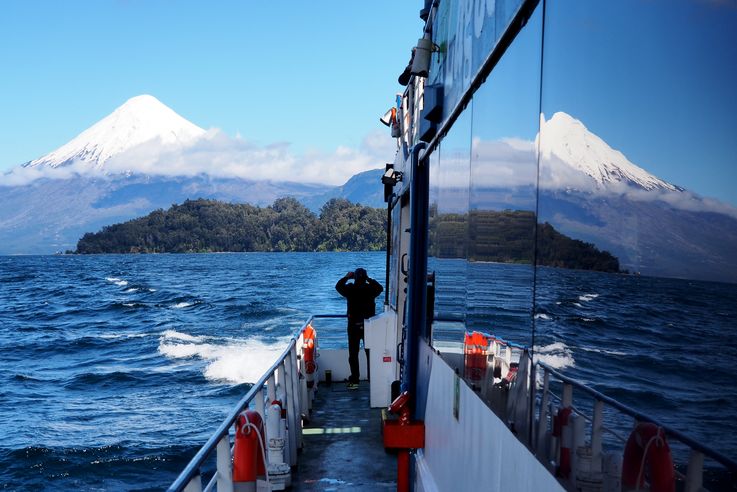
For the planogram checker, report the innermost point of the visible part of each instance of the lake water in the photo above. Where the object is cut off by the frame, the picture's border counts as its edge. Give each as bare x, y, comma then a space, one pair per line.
115, 369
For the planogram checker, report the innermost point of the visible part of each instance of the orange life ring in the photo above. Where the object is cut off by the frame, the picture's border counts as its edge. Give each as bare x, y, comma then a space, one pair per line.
560, 422
647, 454
308, 349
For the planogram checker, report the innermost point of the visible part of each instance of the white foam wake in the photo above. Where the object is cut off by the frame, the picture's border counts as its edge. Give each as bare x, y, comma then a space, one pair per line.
117, 281
228, 360
588, 297
603, 351
557, 355
182, 305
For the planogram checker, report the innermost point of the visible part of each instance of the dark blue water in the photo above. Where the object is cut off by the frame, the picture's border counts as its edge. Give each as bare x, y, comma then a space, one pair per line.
663, 346
115, 369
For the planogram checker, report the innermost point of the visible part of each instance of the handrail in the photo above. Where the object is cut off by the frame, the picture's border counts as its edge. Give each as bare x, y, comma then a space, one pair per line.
728, 463
493, 337
588, 419
193, 467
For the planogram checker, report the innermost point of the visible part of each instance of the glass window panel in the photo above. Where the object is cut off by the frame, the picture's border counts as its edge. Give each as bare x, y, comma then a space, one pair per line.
503, 191
449, 221
637, 288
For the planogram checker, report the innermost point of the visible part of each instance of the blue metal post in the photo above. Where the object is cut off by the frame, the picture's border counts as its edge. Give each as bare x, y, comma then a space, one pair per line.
416, 289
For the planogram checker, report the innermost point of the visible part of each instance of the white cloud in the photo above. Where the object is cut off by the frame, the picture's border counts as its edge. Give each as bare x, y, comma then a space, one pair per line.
219, 155
21, 176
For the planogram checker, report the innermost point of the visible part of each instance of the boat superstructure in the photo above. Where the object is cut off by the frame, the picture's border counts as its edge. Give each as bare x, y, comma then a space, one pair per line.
489, 165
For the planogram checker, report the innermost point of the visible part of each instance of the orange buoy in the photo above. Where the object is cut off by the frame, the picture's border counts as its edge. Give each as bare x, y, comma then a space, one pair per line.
309, 337
560, 422
647, 454
248, 459
475, 349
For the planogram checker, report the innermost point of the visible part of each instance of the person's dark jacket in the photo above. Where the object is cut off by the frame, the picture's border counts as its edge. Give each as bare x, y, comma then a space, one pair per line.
361, 304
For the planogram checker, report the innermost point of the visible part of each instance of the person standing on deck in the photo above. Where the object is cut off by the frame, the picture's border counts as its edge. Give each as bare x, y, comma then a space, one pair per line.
360, 297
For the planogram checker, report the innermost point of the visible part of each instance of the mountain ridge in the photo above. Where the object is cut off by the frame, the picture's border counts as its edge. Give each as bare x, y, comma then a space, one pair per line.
587, 190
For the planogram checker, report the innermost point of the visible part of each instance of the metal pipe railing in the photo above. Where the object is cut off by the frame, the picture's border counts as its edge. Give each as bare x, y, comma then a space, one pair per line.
694, 475
217, 440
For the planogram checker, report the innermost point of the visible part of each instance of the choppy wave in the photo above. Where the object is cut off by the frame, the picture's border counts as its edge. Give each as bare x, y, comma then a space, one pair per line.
182, 305
557, 355
108, 467
117, 281
98, 378
603, 351
227, 360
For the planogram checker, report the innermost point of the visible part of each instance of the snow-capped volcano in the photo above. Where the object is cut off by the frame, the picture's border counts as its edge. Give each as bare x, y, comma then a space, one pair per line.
141, 119
572, 143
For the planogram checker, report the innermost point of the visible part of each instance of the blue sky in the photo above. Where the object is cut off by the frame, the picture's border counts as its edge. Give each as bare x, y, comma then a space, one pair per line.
314, 74
317, 75
656, 80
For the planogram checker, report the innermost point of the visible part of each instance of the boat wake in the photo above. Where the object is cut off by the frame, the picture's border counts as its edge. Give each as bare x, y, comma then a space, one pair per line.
557, 355
227, 360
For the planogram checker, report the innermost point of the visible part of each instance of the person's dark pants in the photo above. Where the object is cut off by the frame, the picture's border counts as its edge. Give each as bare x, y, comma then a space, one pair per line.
355, 335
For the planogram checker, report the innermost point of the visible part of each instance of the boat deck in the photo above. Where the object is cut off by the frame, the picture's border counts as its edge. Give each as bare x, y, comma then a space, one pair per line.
343, 447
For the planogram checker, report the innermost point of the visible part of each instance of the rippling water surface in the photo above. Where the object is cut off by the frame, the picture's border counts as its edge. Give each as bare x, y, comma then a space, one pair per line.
115, 369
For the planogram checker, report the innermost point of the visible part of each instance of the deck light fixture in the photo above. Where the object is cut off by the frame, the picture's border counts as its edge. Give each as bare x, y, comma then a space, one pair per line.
422, 53
391, 177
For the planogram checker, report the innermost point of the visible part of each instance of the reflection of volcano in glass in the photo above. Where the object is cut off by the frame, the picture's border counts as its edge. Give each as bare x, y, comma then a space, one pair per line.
567, 140
590, 192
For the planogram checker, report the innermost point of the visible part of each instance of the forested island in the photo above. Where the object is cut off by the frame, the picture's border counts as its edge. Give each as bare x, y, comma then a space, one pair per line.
212, 226
287, 225
509, 236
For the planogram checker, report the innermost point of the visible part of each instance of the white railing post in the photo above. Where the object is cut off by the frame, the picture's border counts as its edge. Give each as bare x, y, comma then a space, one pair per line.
695, 472
553, 450
304, 392
224, 465
542, 423
259, 404
579, 437
271, 389
597, 431
567, 399
289, 405
297, 412
194, 485
280, 394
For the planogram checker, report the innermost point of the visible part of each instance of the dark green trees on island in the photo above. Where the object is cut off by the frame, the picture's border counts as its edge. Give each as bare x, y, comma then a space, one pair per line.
287, 225
213, 226
510, 236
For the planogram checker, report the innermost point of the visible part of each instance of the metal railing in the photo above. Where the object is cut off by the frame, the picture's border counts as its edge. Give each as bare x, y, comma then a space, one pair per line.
281, 381
545, 449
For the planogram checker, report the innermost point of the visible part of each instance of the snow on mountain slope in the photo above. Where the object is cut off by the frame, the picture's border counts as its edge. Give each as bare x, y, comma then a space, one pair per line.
570, 141
141, 119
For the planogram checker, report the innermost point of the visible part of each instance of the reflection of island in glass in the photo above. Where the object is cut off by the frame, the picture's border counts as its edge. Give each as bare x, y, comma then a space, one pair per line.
508, 237
593, 193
